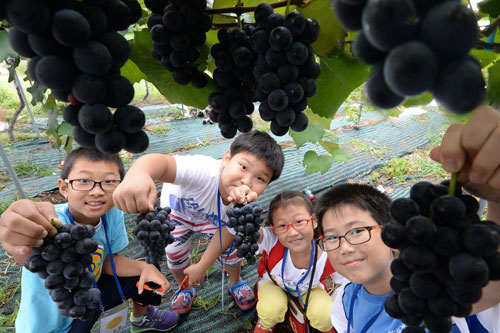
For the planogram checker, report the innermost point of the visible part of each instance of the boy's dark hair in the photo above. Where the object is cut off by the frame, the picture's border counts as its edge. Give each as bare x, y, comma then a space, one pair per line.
362, 196
264, 147
286, 198
92, 154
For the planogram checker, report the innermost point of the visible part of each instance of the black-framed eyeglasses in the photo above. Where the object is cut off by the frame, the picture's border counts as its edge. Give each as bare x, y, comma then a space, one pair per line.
354, 236
88, 184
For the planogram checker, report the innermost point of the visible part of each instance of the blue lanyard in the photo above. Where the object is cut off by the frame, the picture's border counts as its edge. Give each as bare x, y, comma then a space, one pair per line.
104, 222
302, 279
220, 232
351, 310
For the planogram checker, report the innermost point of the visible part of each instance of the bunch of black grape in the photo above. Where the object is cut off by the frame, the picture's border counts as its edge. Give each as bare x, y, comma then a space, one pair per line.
415, 46
246, 221
77, 52
286, 68
446, 255
178, 30
62, 262
153, 230
233, 102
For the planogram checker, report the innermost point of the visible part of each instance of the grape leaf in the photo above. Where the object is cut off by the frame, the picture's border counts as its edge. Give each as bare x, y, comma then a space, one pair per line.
493, 95
316, 163
485, 57
317, 119
332, 32
340, 75
340, 155
329, 146
5, 49
162, 79
65, 129
491, 7
37, 92
132, 72
313, 133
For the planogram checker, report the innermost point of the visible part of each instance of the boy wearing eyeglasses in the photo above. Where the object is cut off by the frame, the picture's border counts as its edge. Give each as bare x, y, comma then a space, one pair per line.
88, 179
350, 217
292, 265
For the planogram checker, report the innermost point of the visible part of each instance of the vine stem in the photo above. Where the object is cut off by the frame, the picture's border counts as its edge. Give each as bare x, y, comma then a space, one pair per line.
489, 29
287, 10
239, 10
453, 183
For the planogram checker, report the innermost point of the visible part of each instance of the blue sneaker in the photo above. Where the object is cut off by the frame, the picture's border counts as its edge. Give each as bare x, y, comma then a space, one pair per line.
154, 320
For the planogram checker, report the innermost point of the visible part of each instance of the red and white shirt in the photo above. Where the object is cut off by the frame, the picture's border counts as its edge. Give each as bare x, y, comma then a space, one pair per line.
272, 255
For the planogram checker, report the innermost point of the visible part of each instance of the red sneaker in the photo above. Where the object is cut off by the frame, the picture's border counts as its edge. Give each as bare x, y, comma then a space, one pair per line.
243, 295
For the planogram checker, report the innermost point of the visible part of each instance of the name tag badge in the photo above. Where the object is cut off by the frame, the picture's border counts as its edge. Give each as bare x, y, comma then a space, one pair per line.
114, 319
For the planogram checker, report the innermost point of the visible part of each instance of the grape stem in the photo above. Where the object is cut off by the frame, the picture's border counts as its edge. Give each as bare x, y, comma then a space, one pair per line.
240, 9
453, 183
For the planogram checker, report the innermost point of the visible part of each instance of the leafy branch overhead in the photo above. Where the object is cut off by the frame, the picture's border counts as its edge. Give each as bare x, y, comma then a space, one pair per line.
300, 60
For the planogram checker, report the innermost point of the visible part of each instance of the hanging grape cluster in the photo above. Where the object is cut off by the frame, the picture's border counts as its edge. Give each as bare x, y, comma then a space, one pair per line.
75, 50
62, 262
446, 255
153, 231
178, 30
416, 46
246, 221
285, 68
233, 102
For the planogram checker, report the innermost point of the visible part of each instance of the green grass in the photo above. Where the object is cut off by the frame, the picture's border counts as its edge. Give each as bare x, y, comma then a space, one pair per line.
8, 291
28, 168
158, 129
373, 149
415, 165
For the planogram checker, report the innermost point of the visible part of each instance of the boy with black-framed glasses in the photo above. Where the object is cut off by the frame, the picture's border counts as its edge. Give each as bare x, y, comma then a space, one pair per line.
26, 223
350, 217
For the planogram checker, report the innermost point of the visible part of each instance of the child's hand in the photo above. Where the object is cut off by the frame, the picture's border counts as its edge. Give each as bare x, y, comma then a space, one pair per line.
196, 274
25, 224
473, 149
242, 195
135, 194
151, 274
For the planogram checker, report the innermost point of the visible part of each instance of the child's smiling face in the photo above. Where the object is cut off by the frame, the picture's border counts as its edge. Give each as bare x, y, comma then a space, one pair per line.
367, 263
87, 207
298, 241
243, 169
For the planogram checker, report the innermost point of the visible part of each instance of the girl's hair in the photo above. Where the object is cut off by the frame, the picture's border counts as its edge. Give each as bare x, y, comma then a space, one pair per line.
287, 198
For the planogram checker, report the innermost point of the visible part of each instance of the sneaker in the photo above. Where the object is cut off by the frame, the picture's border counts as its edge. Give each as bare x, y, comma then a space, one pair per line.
154, 320
182, 303
243, 295
260, 329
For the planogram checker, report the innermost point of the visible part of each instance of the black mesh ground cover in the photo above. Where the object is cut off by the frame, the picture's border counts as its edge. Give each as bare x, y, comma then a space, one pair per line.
388, 138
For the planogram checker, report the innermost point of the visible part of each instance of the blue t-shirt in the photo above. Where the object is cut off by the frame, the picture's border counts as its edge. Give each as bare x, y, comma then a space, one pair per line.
366, 307
37, 312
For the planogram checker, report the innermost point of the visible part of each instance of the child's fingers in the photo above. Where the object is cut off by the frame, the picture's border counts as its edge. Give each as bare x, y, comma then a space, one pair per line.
486, 160
451, 153
479, 129
251, 196
140, 285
